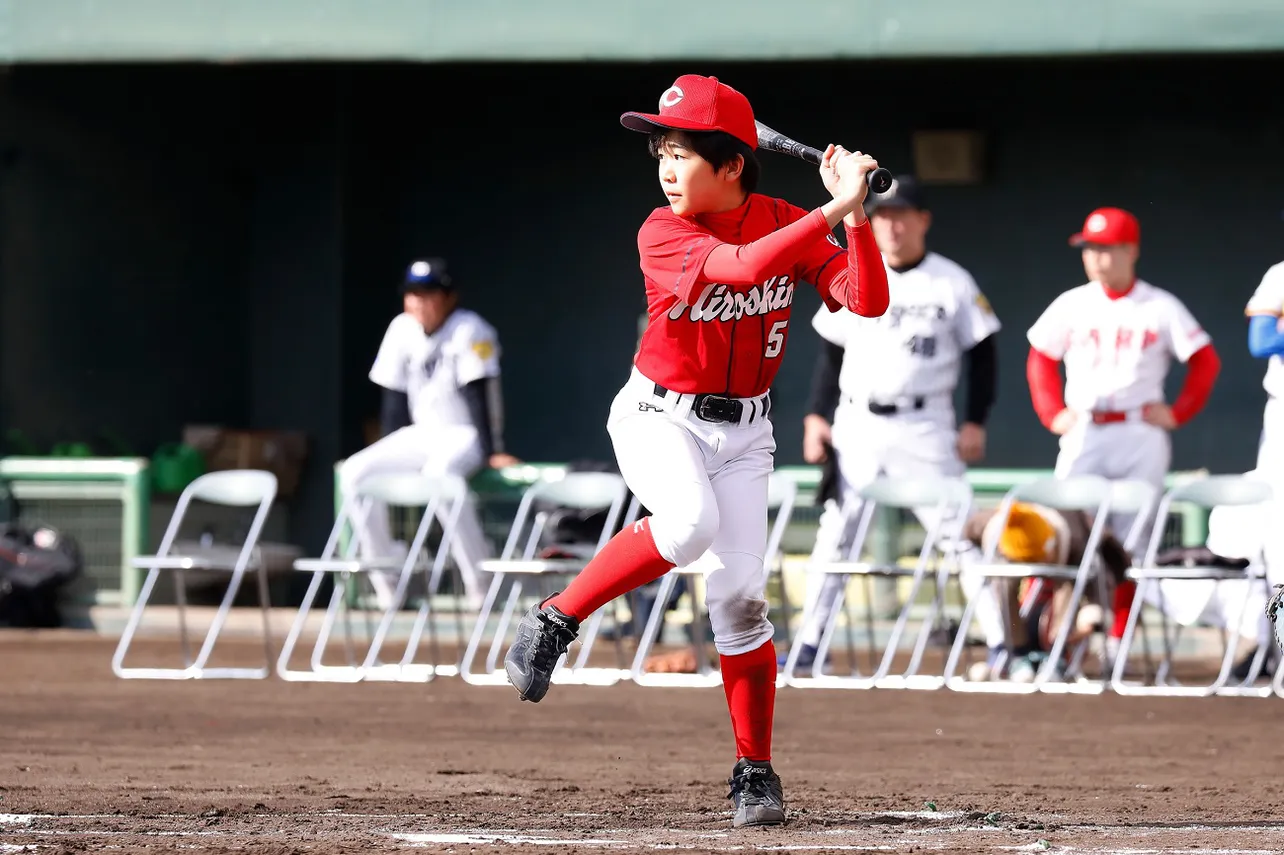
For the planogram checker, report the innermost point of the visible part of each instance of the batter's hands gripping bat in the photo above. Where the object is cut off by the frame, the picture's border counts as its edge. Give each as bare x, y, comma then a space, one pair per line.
880, 180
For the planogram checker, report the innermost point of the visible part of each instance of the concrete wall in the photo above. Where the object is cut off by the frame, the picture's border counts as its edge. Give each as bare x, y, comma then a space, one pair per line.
195, 244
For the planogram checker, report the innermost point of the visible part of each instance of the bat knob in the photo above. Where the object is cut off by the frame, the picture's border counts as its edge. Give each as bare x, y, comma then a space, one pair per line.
880, 180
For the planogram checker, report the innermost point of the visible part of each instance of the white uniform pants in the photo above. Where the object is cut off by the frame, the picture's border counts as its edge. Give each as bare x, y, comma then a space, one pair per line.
1117, 451
1270, 453
705, 484
914, 444
431, 450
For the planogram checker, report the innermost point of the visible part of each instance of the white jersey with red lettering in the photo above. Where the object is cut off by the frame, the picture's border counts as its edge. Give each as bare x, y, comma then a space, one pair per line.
1117, 349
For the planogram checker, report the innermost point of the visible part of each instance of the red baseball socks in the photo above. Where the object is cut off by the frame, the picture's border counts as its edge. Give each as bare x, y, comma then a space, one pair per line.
629, 560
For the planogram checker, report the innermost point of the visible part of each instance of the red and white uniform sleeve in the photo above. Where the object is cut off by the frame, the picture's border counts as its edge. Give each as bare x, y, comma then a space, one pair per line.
1183, 333
1050, 334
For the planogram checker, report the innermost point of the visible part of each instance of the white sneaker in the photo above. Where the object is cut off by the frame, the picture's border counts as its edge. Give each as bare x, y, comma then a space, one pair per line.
1021, 670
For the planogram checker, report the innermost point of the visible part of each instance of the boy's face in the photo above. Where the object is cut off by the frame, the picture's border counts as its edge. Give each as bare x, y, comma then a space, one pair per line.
429, 307
690, 182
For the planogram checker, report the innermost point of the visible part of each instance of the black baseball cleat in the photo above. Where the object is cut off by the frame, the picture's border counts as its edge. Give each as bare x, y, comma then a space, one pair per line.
543, 635
757, 794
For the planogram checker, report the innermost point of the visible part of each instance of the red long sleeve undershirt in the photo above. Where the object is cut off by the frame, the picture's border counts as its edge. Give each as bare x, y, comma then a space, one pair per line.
1045, 385
861, 287
1044, 377
1201, 371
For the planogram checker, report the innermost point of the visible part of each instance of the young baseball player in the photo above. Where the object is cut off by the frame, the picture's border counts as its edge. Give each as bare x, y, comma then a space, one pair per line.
1117, 335
690, 428
441, 413
899, 420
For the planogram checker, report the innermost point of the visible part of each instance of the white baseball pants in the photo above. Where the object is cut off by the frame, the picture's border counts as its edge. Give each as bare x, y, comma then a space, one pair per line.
1270, 453
705, 484
431, 450
1130, 449
912, 444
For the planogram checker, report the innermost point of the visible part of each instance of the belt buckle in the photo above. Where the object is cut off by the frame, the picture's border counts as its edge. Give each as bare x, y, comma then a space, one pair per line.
714, 408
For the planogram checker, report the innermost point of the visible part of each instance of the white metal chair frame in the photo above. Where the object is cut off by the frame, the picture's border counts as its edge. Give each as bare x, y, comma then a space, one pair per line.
519, 562
234, 488
951, 501
782, 494
1206, 493
442, 499
1087, 493
1126, 496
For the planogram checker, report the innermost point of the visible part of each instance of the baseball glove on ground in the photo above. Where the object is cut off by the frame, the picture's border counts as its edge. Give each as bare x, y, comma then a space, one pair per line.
677, 662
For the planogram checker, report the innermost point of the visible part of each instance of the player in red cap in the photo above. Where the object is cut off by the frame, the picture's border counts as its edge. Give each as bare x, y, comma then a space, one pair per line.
690, 429
1117, 336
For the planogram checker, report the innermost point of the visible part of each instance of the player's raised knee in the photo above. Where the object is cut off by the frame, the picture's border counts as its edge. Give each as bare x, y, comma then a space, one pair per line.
685, 532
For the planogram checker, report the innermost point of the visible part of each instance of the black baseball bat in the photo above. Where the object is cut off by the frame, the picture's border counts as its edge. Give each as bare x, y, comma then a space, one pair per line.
880, 180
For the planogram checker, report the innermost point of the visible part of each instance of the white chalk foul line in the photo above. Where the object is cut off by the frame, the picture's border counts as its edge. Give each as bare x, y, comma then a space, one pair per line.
482, 839
944, 822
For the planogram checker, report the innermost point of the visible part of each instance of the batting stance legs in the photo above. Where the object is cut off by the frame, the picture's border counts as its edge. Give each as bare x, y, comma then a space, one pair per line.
436, 450
705, 483
706, 488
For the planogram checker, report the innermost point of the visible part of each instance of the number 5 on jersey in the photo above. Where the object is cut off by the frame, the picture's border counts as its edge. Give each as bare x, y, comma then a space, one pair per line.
776, 339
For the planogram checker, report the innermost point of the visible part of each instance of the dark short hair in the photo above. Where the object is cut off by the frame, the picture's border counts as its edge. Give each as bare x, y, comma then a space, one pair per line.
717, 147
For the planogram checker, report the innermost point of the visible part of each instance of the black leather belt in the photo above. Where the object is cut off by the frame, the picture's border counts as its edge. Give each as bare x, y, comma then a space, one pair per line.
719, 408
916, 403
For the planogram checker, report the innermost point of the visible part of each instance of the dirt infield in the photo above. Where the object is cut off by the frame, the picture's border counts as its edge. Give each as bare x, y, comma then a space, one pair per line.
93, 763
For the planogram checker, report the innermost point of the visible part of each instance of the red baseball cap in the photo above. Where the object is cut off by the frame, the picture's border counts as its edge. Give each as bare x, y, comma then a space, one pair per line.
695, 103
1107, 226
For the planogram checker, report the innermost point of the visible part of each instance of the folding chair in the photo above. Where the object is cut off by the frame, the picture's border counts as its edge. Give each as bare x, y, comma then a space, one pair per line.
442, 499
1207, 494
950, 500
233, 488
1127, 496
782, 493
519, 561
1087, 493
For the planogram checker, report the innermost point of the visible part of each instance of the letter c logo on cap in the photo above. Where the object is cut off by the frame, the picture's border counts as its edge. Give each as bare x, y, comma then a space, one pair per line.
671, 96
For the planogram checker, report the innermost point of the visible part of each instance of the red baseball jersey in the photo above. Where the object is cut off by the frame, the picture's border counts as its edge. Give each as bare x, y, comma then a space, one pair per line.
708, 337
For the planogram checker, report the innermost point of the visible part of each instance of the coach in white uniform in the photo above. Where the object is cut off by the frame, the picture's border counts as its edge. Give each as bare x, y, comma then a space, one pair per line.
441, 414
1117, 336
887, 385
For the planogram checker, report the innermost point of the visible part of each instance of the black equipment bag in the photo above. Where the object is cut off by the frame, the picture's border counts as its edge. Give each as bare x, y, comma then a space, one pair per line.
36, 562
